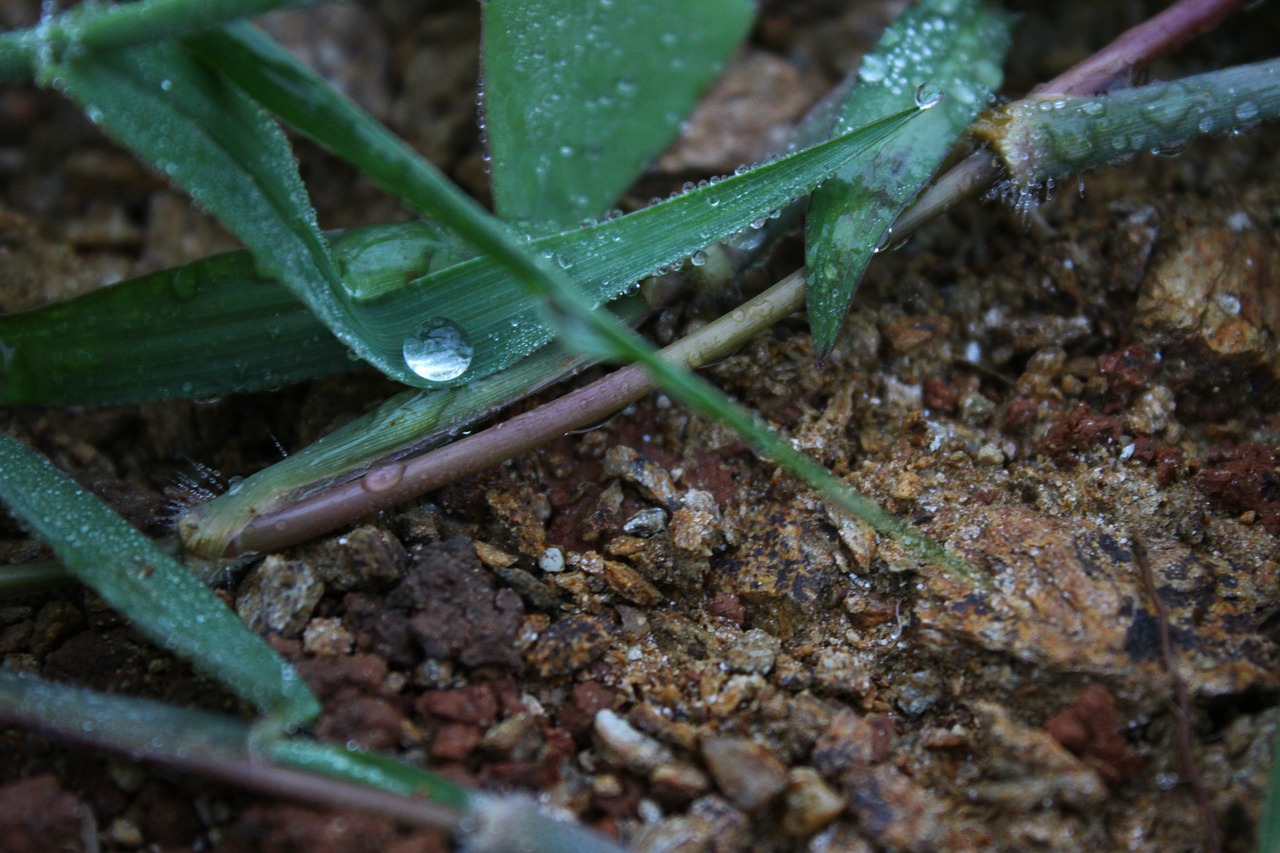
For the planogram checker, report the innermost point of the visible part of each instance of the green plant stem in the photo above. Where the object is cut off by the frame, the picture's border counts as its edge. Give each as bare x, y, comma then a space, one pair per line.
1044, 136
1132, 50
21, 579
102, 27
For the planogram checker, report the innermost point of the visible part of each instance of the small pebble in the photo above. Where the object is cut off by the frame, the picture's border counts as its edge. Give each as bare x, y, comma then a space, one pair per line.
747, 773
627, 747
326, 638
552, 560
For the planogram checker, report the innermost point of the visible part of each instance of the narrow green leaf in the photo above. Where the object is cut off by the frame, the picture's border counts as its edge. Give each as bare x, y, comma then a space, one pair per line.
205, 741
440, 314
204, 329
162, 599
214, 142
950, 47
369, 769
97, 26
225, 748
580, 95
141, 727
606, 259
408, 422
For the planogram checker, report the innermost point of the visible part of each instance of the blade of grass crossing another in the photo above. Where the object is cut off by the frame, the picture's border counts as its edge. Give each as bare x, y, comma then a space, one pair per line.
219, 146
475, 336
607, 259
952, 48
164, 601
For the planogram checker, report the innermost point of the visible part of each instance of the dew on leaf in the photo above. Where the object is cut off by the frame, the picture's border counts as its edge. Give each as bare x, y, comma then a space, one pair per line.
438, 350
1246, 110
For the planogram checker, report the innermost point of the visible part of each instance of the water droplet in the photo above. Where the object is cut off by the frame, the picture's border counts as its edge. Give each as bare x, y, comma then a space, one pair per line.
166, 84
1093, 108
1207, 124
926, 99
698, 258
382, 478
886, 239
1246, 110
438, 349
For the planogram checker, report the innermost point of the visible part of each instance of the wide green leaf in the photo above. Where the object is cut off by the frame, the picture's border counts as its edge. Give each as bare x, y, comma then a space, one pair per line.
952, 48
162, 598
579, 95
204, 329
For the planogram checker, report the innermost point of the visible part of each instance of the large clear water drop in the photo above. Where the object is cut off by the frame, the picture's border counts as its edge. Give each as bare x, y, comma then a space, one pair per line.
438, 350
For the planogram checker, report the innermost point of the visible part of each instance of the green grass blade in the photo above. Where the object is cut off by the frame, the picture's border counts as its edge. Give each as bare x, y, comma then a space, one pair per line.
506, 324
606, 259
209, 744
953, 47
210, 139
579, 96
369, 768
222, 747
204, 329
141, 727
162, 599
94, 26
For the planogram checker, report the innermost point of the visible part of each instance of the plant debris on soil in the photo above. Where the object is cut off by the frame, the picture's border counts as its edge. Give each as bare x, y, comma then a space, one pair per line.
653, 631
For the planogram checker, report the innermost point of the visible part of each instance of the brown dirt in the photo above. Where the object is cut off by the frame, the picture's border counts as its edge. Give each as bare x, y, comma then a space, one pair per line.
710, 658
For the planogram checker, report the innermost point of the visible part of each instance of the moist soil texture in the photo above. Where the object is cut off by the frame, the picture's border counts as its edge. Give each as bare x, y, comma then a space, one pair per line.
652, 630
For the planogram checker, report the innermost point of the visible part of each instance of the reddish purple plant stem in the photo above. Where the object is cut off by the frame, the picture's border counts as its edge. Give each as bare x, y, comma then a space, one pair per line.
1181, 701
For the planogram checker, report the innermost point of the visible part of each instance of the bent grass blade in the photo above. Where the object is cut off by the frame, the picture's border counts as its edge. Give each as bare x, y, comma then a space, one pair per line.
224, 748
601, 261
161, 597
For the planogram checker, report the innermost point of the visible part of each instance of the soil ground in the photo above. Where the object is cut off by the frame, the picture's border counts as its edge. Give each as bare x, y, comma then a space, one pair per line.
655, 631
